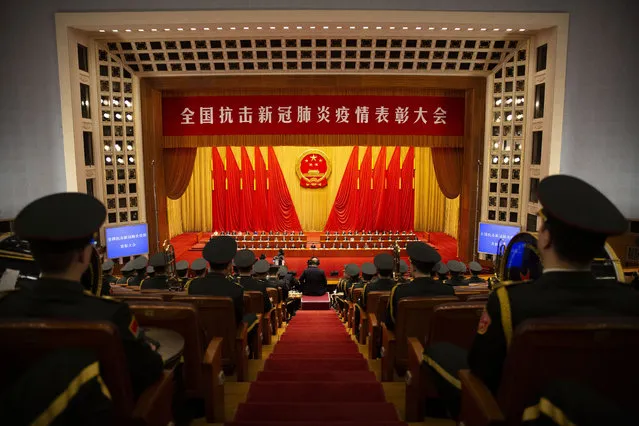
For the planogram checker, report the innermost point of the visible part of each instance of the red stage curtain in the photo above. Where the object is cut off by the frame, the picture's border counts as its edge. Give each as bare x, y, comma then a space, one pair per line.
365, 188
219, 192
407, 209
448, 164
178, 168
260, 201
281, 210
233, 195
248, 185
388, 213
344, 214
379, 172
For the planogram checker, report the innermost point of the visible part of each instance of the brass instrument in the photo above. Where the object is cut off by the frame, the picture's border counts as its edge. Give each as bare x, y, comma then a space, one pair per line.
396, 257
169, 255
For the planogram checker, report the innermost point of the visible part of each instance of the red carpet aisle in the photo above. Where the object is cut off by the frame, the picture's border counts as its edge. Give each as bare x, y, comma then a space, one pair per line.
316, 376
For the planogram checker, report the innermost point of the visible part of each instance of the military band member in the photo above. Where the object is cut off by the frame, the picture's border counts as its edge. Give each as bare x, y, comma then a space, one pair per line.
577, 219
383, 268
475, 270
457, 270
127, 273
107, 277
403, 271
422, 258
442, 272
139, 264
244, 260
182, 269
59, 229
160, 281
351, 277
219, 252
150, 272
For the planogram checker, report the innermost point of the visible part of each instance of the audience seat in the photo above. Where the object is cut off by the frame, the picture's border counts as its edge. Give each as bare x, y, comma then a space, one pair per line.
274, 295
355, 295
137, 297
464, 292
203, 376
597, 352
254, 303
29, 339
412, 320
217, 319
372, 302
375, 318
454, 323
478, 298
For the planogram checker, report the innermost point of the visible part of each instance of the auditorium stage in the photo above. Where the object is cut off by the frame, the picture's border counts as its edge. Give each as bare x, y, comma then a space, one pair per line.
331, 260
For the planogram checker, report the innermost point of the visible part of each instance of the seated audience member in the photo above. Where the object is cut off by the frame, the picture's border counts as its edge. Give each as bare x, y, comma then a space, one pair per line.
577, 219
139, 264
422, 258
107, 277
127, 273
313, 279
182, 269
457, 270
159, 280
59, 229
150, 272
244, 260
219, 252
475, 269
198, 269
403, 270
442, 272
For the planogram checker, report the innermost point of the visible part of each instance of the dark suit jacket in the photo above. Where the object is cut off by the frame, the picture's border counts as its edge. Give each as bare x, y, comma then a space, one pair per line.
219, 285
313, 281
565, 294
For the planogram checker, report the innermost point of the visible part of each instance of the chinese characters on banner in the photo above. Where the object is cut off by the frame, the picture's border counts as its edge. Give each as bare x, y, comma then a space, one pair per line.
127, 241
496, 238
268, 115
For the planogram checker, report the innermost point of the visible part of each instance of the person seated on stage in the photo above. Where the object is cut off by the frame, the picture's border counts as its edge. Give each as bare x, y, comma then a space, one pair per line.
59, 229
422, 258
150, 272
457, 270
127, 272
244, 260
576, 220
220, 252
313, 279
107, 277
313, 246
341, 245
348, 246
139, 264
160, 280
475, 270
181, 270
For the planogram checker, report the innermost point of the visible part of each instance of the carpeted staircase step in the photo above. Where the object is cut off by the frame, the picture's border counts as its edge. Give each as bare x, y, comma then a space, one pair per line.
316, 376
319, 364
336, 356
296, 392
318, 412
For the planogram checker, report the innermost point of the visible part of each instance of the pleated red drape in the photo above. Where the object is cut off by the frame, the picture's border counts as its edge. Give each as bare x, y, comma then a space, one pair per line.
365, 187
389, 210
379, 175
178, 168
233, 195
448, 164
344, 214
407, 210
281, 211
248, 185
219, 192
260, 200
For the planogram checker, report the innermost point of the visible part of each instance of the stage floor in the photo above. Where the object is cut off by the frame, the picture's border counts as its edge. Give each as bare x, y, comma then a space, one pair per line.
445, 244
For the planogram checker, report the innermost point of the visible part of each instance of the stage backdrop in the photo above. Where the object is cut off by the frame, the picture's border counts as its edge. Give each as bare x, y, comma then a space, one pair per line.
195, 209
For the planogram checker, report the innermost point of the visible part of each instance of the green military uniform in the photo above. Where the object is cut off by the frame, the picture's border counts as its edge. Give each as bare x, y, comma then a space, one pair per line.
403, 269
61, 223
219, 251
107, 277
181, 270
475, 269
423, 258
159, 281
573, 211
127, 273
245, 259
139, 264
456, 269
199, 268
442, 272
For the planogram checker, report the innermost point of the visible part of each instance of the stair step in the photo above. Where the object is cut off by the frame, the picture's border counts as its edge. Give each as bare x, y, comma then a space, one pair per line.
319, 364
316, 376
297, 392
317, 412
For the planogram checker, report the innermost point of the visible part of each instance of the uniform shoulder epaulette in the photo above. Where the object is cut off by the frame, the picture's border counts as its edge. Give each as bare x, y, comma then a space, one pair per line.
105, 298
510, 284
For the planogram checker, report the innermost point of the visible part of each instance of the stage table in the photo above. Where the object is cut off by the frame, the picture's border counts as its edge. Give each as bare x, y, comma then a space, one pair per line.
171, 343
307, 252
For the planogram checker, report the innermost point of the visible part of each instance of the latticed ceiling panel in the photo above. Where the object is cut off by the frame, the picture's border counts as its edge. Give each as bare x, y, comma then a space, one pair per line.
313, 54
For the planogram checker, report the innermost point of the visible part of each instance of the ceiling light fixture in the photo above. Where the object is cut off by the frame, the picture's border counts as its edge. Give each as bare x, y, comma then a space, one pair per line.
246, 28
259, 28
102, 31
272, 28
431, 28
404, 28
391, 28
299, 28
206, 28
445, 29
509, 29
285, 28
495, 29
128, 30
115, 31
180, 29
155, 30
233, 28
325, 27
193, 29
141, 30
483, 29
522, 30
418, 28
220, 28
167, 29
352, 28
378, 28
364, 28
339, 28
471, 29
457, 29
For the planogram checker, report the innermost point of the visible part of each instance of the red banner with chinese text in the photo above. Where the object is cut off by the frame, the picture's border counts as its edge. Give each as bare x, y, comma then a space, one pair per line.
313, 115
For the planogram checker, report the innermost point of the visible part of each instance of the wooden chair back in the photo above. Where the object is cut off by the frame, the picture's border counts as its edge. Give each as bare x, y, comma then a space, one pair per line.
455, 323
356, 294
183, 318
478, 298
598, 352
253, 302
26, 341
414, 315
376, 302
274, 295
137, 297
463, 292
217, 319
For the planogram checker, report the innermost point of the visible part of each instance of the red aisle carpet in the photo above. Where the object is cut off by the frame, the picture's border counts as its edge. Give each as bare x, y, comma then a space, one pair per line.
316, 376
